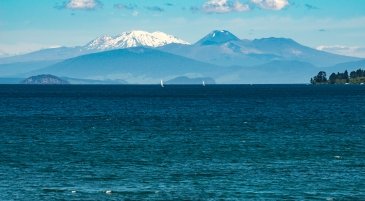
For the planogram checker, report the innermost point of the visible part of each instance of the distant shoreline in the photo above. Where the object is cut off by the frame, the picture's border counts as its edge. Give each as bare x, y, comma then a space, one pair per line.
355, 78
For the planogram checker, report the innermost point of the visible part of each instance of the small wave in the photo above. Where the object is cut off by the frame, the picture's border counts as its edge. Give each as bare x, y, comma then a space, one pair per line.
337, 157
129, 192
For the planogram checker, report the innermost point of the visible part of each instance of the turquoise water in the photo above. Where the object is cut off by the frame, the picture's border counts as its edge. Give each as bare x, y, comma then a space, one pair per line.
229, 142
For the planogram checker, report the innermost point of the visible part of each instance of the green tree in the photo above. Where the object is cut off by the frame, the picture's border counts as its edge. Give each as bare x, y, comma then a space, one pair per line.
360, 73
332, 78
346, 76
353, 74
321, 77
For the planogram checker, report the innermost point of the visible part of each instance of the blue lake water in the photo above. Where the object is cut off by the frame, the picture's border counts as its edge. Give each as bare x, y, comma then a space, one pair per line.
229, 142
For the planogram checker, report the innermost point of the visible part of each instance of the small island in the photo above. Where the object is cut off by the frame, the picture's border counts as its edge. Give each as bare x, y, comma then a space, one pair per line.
355, 77
44, 79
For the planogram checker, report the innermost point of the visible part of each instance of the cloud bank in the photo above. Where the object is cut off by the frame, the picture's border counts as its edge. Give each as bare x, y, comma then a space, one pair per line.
271, 4
344, 50
224, 6
228, 6
82, 4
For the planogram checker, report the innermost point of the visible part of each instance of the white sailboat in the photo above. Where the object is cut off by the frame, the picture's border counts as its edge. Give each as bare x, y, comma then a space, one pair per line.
203, 83
162, 84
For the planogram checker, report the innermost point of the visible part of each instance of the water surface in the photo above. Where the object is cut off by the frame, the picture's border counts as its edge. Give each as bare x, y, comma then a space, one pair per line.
259, 142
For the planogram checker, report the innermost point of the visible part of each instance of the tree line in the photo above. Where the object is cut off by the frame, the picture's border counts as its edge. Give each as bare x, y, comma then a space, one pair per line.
355, 77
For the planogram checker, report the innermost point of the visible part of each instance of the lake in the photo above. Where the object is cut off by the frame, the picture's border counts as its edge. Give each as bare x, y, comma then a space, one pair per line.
135, 142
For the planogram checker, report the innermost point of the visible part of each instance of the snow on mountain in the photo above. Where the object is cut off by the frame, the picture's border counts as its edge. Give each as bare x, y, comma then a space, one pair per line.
217, 37
133, 39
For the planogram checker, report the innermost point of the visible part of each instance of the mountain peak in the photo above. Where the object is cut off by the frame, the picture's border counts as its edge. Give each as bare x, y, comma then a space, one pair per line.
217, 37
133, 39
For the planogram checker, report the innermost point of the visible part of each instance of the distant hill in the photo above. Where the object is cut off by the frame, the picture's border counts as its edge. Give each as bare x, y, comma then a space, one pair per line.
187, 80
44, 79
134, 65
350, 66
289, 49
276, 72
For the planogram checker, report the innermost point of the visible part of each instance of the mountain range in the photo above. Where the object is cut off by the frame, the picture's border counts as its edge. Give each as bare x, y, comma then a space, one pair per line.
142, 57
102, 43
223, 48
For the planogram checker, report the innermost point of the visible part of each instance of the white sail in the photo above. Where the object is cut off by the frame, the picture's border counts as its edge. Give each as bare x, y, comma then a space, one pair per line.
162, 84
203, 83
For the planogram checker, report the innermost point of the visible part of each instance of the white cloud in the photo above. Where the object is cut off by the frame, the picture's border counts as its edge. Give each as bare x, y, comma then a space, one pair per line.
240, 7
82, 4
344, 50
224, 6
271, 4
216, 6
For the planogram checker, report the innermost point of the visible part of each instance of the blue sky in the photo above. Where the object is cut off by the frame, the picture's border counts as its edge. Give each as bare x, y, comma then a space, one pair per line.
332, 25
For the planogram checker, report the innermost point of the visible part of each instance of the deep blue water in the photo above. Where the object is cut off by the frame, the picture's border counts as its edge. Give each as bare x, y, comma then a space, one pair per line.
228, 142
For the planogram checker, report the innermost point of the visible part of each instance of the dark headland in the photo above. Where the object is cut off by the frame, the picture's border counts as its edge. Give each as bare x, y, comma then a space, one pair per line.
354, 77
44, 79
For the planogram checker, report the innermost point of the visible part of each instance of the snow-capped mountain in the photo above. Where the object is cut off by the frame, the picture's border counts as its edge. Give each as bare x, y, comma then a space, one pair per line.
133, 39
220, 47
217, 37
265, 60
